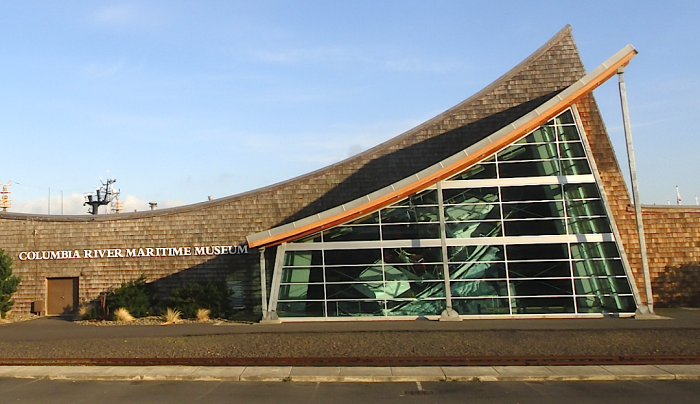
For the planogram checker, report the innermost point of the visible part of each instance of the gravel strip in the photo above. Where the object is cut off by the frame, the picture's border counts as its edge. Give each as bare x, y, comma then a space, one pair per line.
372, 343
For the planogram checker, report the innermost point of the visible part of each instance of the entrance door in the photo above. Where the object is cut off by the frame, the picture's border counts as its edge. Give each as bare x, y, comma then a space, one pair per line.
62, 295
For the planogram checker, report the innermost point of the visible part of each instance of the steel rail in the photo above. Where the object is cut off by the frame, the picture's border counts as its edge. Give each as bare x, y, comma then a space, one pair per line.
368, 361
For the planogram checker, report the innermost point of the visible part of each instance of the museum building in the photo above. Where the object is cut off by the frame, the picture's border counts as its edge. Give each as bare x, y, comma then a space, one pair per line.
510, 204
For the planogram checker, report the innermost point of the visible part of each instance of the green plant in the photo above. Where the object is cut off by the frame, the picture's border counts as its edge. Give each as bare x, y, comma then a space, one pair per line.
137, 297
214, 296
8, 283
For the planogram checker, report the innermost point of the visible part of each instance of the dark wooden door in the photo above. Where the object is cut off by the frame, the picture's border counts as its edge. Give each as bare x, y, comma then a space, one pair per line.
62, 295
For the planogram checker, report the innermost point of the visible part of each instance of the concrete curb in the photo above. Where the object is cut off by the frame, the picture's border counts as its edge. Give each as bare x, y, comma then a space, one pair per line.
356, 374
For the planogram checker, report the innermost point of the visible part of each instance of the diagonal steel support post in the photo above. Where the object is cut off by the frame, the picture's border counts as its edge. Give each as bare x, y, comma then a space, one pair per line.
635, 195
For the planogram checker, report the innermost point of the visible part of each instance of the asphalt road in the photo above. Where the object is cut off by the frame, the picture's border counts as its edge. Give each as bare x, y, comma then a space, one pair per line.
60, 392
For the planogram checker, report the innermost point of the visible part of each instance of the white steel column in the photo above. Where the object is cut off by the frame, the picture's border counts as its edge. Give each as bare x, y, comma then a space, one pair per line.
449, 314
635, 193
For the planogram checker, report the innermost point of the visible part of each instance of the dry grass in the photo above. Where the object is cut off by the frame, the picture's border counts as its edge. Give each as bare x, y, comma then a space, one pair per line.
87, 311
203, 315
172, 316
123, 315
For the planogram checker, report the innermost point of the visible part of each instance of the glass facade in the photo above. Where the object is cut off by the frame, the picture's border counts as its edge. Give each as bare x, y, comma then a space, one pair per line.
523, 232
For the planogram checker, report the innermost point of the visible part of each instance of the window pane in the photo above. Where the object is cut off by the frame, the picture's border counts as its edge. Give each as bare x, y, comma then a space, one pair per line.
565, 117
410, 214
544, 305
539, 269
351, 257
300, 309
352, 233
479, 288
415, 307
571, 150
481, 306
591, 207
473, 229
542, 151
528, 169
544, 134
354, 274
534, 227
603, 304
301, 292
302, 258
470, 195
527, 210
476, 253
568, 133
355, 291
594, 250
531, 193
414, 272
574, 167
355, 308
477, 270
428, 197
581, 191
302, 275
589, 225
537, 251
472, 212
412, 255
478, 172
410, 231
599, 268
542, 287
602, 286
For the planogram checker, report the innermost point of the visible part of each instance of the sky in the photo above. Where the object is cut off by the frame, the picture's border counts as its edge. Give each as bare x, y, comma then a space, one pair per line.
182, 100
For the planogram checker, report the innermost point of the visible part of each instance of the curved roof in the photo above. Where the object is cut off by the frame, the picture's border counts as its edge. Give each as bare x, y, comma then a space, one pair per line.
544, 74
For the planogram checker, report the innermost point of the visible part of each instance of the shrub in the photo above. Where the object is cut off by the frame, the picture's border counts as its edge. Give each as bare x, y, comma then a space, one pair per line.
8, 283
203, 315
172, 316
214, 296
87, 311
136, 297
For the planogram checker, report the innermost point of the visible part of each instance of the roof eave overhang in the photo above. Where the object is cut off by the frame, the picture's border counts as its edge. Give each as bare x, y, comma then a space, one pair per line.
450, 166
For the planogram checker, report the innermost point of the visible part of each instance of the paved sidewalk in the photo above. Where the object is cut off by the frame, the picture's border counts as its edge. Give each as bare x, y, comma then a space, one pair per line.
356, 374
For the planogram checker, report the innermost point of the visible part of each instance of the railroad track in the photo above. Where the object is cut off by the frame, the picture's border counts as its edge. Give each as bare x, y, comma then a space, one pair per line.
367, 361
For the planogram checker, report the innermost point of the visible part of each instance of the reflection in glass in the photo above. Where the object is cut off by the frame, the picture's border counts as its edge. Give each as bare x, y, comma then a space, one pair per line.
470, 195
352, 233
543, 305
473, 229
472, 212
476, 253
477, 270
485, 306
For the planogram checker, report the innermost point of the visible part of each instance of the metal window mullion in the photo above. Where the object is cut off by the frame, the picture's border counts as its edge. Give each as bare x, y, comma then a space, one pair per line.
276, 278
443, 245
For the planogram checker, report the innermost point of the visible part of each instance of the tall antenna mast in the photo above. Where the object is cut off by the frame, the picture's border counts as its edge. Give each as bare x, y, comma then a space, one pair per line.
103, 196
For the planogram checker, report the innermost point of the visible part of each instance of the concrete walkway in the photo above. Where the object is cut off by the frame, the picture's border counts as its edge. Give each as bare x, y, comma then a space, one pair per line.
356, 374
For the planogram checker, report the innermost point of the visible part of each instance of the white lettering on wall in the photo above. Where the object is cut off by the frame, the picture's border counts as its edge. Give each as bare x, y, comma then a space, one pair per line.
134, 252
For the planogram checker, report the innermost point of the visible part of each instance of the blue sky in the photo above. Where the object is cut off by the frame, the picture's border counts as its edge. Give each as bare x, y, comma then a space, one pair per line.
182, 100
